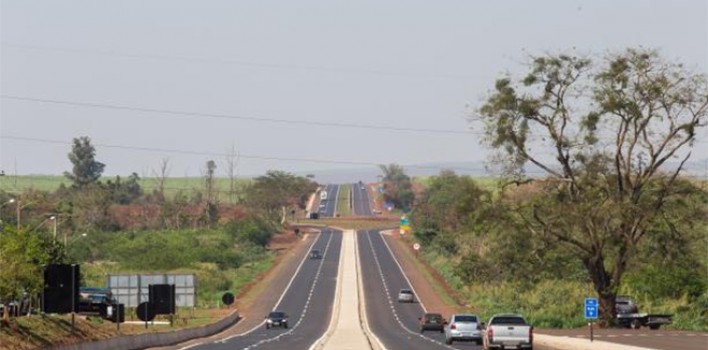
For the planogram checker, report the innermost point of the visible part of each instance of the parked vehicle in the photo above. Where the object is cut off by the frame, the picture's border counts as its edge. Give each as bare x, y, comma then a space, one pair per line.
432, 322
405, 295
507, 331
94, 300
628, 315
277, 319
463, 327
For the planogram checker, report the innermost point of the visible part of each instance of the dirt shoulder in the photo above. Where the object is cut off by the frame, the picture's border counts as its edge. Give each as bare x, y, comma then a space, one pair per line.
431, 288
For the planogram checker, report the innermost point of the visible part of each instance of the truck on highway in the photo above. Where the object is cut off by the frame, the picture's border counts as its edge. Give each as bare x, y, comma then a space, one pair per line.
323, 195
628, 315
507, 331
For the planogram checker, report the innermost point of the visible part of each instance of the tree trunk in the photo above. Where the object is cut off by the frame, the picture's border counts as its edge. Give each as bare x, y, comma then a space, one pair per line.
6, 312
605, 288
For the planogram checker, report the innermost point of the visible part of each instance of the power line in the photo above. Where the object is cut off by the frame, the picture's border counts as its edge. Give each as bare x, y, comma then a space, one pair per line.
217, 154
281, 66
235, 117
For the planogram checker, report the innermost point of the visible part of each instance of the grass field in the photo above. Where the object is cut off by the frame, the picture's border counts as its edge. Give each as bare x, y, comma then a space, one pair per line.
18, 184
343, 208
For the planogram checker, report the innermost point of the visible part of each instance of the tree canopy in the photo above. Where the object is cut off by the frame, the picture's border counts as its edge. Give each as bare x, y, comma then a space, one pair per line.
612, 139
398, 188
86, 170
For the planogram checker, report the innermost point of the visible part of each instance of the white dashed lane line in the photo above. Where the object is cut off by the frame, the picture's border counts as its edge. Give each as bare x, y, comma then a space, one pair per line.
307, 303
391, 303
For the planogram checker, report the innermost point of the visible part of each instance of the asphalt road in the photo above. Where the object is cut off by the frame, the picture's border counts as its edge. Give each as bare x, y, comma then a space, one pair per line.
395, 324
360, 200
308, 301
330, 205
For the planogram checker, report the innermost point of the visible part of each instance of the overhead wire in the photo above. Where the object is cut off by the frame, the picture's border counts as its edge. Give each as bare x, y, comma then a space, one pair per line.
235, 117
220, 154
202, 60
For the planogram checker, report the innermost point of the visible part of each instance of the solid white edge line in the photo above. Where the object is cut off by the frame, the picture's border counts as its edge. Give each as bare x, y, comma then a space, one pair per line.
363, 317
335, 303
402, 272
302, 316
390, 301
307, 254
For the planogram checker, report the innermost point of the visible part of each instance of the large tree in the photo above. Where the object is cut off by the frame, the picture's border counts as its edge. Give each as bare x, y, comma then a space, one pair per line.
277, 191
22, 255
86, 170
612, 140
398, 188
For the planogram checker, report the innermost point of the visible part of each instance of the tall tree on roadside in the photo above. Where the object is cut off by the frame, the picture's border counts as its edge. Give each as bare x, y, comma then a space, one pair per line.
276, 192
397, 186
605, 137
22, 256
210, 208
86, 170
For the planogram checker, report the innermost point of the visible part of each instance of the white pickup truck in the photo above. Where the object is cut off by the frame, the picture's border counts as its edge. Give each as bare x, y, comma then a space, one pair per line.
507, 332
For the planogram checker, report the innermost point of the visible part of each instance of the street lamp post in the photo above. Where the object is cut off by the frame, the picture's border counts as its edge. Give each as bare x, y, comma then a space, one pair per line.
54, 218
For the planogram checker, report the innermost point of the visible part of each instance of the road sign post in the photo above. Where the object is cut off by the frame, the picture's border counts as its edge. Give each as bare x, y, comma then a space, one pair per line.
591, 307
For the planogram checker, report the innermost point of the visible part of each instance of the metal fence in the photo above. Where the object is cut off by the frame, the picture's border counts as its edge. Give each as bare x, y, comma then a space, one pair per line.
132, 289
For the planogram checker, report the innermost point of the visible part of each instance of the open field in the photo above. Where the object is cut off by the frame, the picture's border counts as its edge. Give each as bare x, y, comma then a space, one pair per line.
173, 185
343, 208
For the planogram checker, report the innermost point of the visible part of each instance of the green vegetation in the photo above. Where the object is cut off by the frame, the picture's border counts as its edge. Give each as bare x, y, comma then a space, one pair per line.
605, 221
172, 185
398, 188
115, 226
343, 200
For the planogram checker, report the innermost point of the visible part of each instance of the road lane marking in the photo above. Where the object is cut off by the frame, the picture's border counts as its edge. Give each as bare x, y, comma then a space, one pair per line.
403, 273
297, 271
388, 294
362, 305
307, 303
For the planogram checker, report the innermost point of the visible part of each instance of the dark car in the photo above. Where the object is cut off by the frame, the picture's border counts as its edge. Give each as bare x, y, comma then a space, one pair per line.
315, 254
95, 300
432, 322
277, 319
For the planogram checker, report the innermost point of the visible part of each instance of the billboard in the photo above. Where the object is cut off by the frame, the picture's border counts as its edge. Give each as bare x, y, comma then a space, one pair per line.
133, 289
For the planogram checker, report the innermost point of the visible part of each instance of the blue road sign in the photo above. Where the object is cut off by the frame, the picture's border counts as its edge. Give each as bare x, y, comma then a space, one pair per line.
591, 308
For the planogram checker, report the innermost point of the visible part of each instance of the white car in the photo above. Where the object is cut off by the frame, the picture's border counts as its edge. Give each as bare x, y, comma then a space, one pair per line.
463, 327
507, 331
405, 296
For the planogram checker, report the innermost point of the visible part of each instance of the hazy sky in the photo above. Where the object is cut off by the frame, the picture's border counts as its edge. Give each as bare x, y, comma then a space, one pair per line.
399, 64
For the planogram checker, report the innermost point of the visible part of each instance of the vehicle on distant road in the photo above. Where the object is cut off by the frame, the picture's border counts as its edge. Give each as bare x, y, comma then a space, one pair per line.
323, 195
276, 319
628, 315
432, 322
315, 254
463, 327
405, 295
507, 331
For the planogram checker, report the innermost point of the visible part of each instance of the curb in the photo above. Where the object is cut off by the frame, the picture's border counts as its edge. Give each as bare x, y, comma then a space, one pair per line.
562, 343
322, 341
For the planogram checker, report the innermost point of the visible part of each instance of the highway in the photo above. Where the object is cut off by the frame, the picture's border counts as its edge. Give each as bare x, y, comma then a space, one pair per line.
330, 205
360, 200
308, 301
395, 324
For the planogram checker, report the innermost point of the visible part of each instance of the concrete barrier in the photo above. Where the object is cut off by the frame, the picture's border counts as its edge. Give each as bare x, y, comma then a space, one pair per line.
149, 340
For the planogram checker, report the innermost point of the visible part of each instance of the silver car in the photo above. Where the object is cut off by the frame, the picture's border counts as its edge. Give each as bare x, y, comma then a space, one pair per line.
463, 327
405, 296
